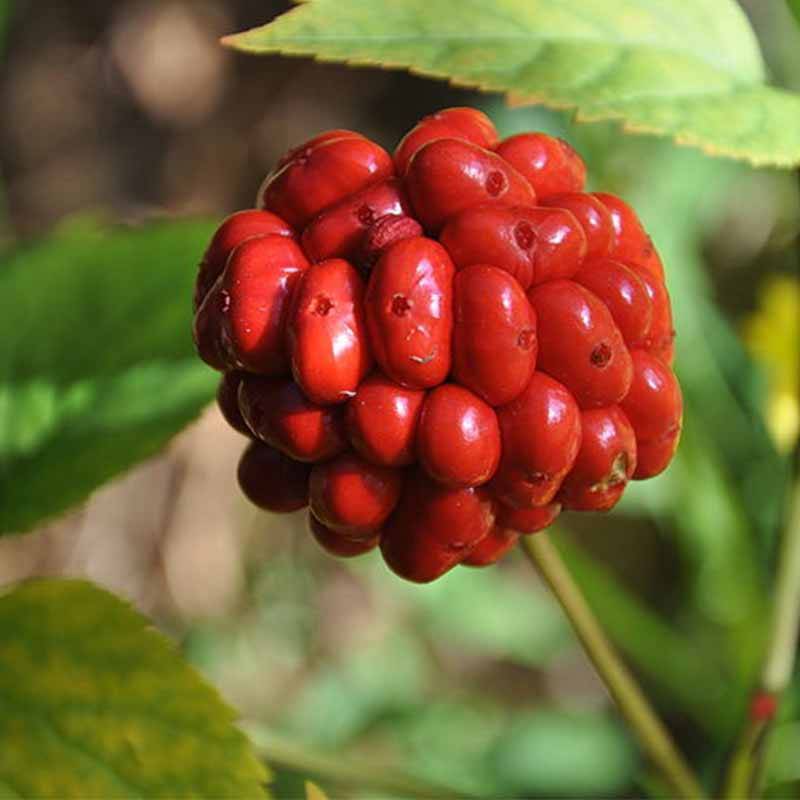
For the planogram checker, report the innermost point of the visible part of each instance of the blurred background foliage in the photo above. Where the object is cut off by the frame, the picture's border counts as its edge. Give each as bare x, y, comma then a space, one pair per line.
131, 113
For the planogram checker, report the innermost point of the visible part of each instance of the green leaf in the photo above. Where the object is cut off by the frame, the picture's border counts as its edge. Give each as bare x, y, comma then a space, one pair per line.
690, 69
97, 368
794, 7
95, 703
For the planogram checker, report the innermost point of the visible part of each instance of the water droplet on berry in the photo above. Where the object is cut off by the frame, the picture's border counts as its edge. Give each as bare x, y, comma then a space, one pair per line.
600, 356
223, 302
495, 183
400, 305
524, 235
321, 306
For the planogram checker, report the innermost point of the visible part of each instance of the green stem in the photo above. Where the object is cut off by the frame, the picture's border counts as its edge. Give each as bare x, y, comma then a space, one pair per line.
653, 736
778, 666
362, 774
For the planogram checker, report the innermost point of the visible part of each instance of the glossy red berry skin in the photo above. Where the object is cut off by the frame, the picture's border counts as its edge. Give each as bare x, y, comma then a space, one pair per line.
353, 497
434, 528
458, 440
306, 147
382, 234
491, 548
450, 123
532, 244
253, 299
548, 163
605, 462
631, 242
271, 480
321, 175
234, 230
382, 421
447, 176
278, 413
409, 310
228, 401
660, 337
580, 345
494, 334
206, 328
338, 231
326, 332
654, 407
527, 520
541, 435
624, 293
593, 217
338, 545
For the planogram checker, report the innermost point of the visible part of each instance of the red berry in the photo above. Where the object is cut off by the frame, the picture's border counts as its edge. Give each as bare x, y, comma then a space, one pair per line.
321, 175
326, 333
382, 421
660, 336
228, 401
280, 414
579, 344
541, 434
320, 138
409, 310
353, 497
624, 293
654, 406
338, 545
594, 218
434, 528
533, 244
763, 706
491, 548
631, 243
549, 164
236, 229
338, 231
449, 175
458, 441
271, 480
206, 330
494, 334
605, 462
252, 299
451, 123
527, 520
383, 233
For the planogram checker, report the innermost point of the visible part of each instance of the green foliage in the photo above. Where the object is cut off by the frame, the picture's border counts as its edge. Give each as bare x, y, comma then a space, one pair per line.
690, 69
98, 368
97, 704
794, 7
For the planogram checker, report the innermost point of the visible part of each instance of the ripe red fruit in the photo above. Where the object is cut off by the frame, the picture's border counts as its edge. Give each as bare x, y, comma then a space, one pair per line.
382, 421
491, 548
228, 401
541, 434
271, 480
338, 231
624, 293
548, 163
660, 336
326, 333
234, 230
594, 218
353, 497
527, 520
631, 242
654, 406
458, 440
449, 175
579, 344
494, 334
306, 147
251, 301
338, 545
382, 234
322, 174
409, 310
280, 414
605, 462
206, 330
434, 528
451, 123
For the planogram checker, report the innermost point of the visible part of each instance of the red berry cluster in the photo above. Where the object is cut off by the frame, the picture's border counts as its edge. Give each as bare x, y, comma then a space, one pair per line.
437, 352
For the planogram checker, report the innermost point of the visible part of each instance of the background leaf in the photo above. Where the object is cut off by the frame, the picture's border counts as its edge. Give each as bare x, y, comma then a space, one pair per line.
97, 368
96, 704
687, 68
794, 7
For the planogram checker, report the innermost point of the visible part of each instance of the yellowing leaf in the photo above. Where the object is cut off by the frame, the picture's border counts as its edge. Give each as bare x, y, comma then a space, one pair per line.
94, 703
313, 792
690, 69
